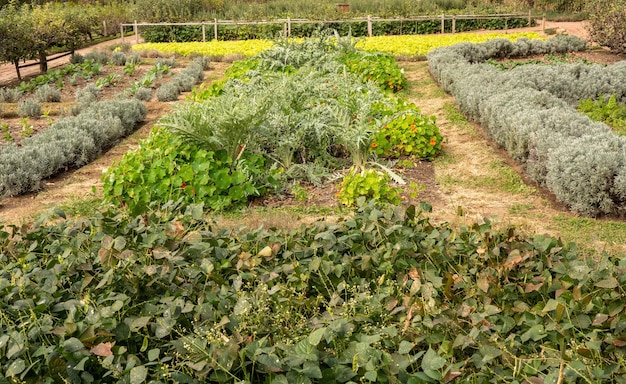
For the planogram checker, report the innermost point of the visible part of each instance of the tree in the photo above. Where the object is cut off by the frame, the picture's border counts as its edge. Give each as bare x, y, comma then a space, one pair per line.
16, 41
607, 23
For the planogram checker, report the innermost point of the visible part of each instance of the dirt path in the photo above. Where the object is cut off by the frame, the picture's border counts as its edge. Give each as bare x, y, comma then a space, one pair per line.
9, 76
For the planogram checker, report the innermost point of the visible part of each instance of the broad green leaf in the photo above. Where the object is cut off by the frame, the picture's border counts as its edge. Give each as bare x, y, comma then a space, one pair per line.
535, 333
371, 375
609, 283
312, 370
15, 368
316, 336
138, 374
153, 354
432, 361
81, 364
405, 347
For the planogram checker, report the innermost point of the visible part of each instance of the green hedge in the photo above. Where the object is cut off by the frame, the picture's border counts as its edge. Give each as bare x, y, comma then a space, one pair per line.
162, 34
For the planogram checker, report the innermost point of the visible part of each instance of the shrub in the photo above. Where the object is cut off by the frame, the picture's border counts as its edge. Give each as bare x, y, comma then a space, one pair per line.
77, 58
130, 112
411, 134
48, 94
168, 92
607, 22
118, 58
203, 61
143, 94
69, 142
29, 108
170, 62
184, 82
10, 95
97, 57
529, 110
380, 68
85, 97
133, 58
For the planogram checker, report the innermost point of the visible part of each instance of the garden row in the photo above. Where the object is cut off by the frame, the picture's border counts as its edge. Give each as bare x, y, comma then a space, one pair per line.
410, 46
376, 297
166, 34
531, 111
300, 111
93, 127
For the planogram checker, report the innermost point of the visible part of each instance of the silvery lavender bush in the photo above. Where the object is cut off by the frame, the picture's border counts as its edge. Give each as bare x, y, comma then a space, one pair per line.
69, 142
48, 94
531, 112
168, 92
118, 58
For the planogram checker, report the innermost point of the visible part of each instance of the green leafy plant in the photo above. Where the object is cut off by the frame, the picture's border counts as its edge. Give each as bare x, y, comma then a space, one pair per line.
380, 68
299, 193
27, 128
367, 184
411, 134
107, 81
179, 171
607, 110
130, 67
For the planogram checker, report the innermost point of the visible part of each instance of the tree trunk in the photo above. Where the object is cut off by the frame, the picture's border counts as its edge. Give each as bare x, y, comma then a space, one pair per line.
43, 62
17, 69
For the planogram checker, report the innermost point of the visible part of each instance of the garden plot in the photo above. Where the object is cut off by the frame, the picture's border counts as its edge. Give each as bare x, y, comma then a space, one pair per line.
531, 112
87, 119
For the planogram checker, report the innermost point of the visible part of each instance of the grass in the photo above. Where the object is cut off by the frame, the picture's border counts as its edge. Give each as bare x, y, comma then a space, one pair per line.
592, 235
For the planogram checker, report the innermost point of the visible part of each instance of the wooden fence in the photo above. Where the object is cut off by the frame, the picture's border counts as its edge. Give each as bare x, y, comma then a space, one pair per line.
287, 23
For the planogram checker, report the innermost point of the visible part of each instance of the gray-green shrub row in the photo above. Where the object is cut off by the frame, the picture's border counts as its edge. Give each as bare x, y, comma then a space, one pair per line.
531, 112
69, 142
183, 81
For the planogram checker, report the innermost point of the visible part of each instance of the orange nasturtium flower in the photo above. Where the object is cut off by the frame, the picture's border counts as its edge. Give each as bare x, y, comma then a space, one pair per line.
433, 141
374, 145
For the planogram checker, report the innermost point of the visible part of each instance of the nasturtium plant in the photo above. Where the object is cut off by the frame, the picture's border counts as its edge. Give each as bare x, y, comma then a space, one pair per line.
370, 184
411, 134
166, 168
379, 68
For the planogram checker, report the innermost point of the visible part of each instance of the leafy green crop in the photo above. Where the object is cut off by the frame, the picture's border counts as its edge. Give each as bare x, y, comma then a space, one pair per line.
378, 296
411, 134
609, 111
368, 184
380, 68
180, 171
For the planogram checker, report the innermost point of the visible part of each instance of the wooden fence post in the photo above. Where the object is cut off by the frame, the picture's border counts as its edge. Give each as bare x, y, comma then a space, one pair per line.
530, 18
369, 25
543, 23
453, 24
122, 32
136, 32
203, 32
506, 25
443, 23
215, 29
289, 27
104, 27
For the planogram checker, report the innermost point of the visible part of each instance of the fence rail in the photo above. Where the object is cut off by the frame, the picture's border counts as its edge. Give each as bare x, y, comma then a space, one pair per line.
287, 23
